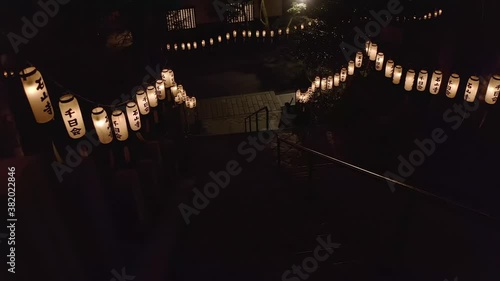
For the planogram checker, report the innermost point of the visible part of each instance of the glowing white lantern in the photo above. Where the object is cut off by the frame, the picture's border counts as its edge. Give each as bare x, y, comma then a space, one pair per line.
244, 33
272, 33
167, 75
440, 12
367, 47
310, 23
425, 17
168, 47
175, 46
436, 80
287, 30
389, 68
317, 82
203, 43
429, 15
373, 52
119, 125
302, 26
323, 84
219, 38
189, 46
228, 36
493, 90
134, 118
336, 79
435, 14
422, 80
174, 89
142, 102
350, 68
257, 34
453, 82
211, 41
183, 46
152, 97
102, 125
249, 33
72, 116
279, 31
471, 89
160, 90
410, 80
264, 33
195, 45
235, 33
343, 74
379, 61
329, 83
398, 72
359, 59
38, 97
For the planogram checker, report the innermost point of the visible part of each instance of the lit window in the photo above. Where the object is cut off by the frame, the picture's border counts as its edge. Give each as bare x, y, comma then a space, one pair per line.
240, 12
181, 19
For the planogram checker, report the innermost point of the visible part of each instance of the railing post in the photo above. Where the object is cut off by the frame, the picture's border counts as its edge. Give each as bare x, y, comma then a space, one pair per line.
267, 118
278, 149
257, 121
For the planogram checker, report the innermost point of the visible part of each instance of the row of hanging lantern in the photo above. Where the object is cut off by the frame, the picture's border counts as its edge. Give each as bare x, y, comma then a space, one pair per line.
146, 97
423, 82
244, 34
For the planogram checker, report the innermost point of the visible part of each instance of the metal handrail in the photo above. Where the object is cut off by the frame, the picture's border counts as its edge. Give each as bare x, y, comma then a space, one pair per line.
365, 171
256, 113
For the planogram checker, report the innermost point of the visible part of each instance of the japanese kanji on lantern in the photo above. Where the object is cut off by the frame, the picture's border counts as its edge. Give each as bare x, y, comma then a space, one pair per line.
102, 125
398, 72
323, 83
493, 90
343, 74
350, 68
160, 90
422, 80
142, 102
167, 75
389, 68
437, 78
152, 97
133, 115
37, 94
317, 82
453, 82
409, 80
379, 61
329, 83
72, 116
119, 125
471, 89
359, 59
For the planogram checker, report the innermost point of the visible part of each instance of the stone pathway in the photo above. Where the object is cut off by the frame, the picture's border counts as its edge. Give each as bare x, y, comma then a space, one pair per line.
226, 115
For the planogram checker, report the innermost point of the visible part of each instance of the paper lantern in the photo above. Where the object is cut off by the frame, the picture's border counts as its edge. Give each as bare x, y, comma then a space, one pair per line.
367, 47
174, 90
317, 82
211, 41
264, 33
453, 82
471, 89
195, 45
373, 52
425, 17
152, 97
310, 23
72, 116
287, 30
409, 80
244, 33
175, 47
142, 102
102, 125
323, 84
203, 43
389, 68
249, 33
183, 46
228, 36
302, 26
343, 74
189, 46
329, 83
398, 72
37, 94
219, 38
272, 33
379, 61
168, 47
279, 31
160, 90
134, 118
440, 12
435, 14
119, 125
429, 15
436, 79
350, 68
336, 80
422, 80
493, 90
257, 34
235, 33
313, 86
359, 59
167, 75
